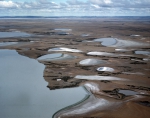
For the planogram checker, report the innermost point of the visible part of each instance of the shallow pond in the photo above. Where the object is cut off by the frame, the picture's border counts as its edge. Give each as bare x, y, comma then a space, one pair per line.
63, 29
23, 91
106, 41
7, 43
88, 62
122, 50
64, 49
96, 77
56, 57
127, 92
136, 35
108, 69
13, 34
85, 35
106, 54
142, 52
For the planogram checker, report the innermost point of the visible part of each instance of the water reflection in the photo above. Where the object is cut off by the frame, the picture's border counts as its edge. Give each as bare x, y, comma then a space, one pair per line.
23, 92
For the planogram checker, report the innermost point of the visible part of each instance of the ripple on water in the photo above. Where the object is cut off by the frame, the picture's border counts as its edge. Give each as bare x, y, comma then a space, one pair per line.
88, 62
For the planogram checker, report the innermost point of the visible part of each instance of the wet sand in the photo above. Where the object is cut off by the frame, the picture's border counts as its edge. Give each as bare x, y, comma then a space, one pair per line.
76, 38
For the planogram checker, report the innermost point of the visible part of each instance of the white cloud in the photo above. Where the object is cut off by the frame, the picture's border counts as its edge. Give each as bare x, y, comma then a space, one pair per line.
8, 4
77, 7
95, 6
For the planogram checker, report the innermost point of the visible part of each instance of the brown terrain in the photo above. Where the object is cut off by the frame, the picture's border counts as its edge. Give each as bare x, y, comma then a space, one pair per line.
131, 71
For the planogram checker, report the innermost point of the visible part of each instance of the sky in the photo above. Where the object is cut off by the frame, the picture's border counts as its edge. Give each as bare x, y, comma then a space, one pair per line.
74, 7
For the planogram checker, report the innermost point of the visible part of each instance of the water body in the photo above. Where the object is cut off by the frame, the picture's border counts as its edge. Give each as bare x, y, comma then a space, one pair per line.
136, 73
127, 92
108, 69
64, 49
142, 52
106, 41
96, 77
85, 35
122, 50
127, 43
146, 59
56, 57
88, 62
63, 29
7, 43
23, 91
136, 35
106, 54
13, 34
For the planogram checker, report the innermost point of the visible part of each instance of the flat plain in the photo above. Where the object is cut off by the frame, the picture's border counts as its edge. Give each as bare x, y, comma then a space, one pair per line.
110, 57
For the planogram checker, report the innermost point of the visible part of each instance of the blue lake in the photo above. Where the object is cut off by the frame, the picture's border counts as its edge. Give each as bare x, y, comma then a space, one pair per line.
23, 91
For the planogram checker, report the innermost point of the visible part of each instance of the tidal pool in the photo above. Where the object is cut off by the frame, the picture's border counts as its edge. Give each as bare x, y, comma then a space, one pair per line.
13, 34
56, 57
23, 91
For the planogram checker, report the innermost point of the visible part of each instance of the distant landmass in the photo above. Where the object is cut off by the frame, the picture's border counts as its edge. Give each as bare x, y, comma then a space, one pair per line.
125, 17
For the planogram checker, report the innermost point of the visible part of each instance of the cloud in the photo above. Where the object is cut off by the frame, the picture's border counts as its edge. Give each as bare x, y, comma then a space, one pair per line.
76, 7
8, 4
76, 2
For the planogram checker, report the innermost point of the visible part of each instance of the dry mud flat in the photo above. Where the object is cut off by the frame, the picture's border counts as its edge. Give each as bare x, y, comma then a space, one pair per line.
109, 57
